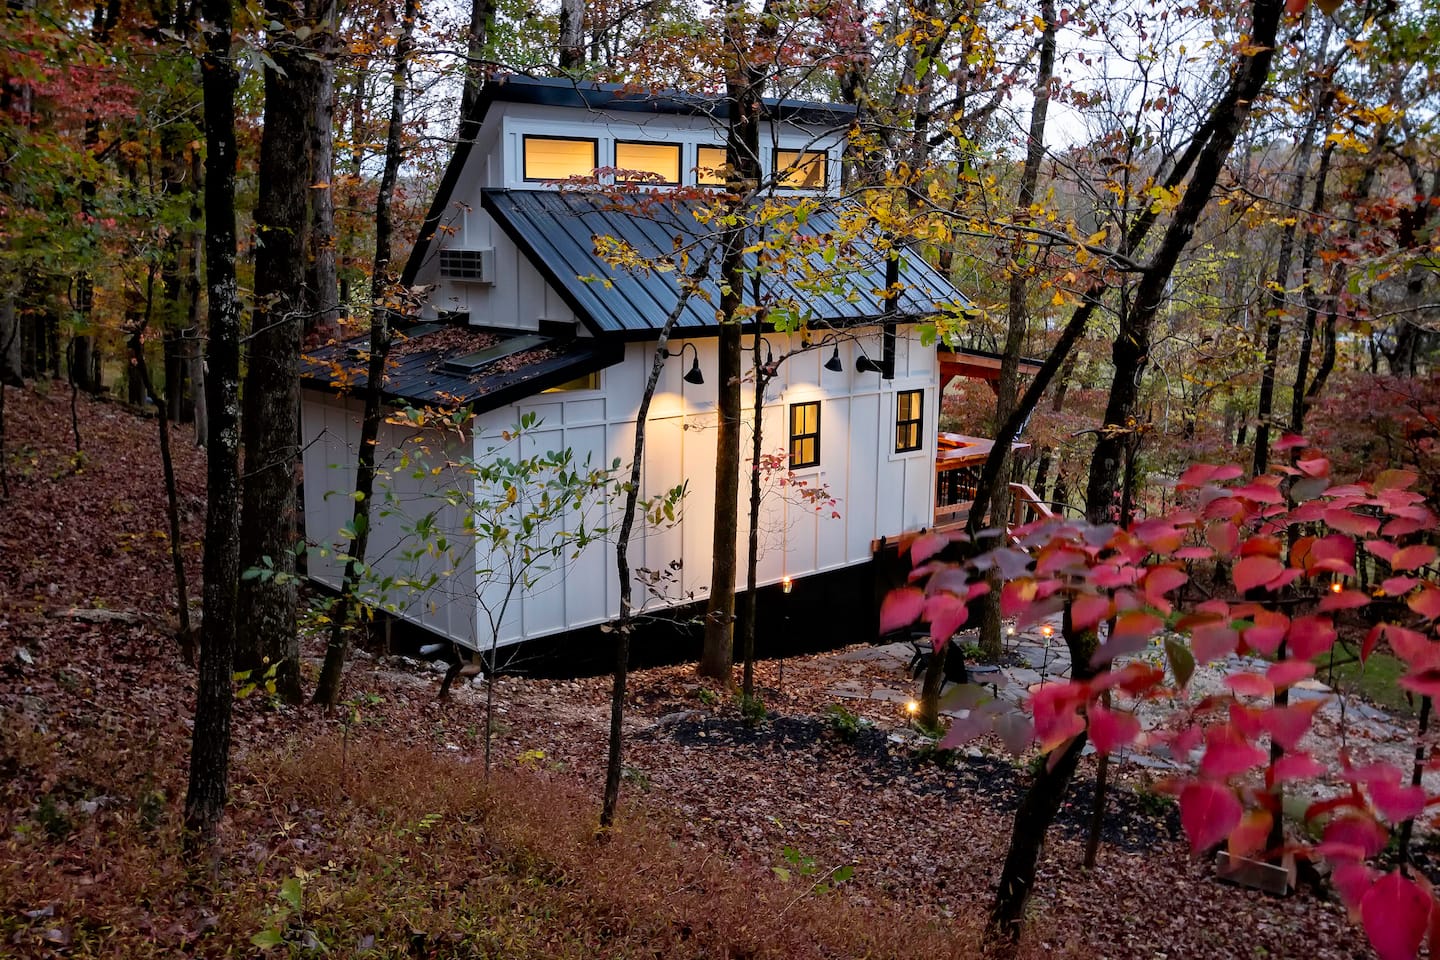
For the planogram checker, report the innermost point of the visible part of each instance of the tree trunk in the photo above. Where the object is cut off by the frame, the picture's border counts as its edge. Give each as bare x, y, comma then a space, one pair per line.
1006, 390
572, 34
321, 279
482, 15
742, 153
1037, 810
172, 494
752, 553
268, 594
1312, 297
614, 760
210, 748
10, 366
1275, 302
327, 690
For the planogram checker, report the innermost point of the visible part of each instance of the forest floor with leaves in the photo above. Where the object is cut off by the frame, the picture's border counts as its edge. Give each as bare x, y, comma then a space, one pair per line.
377, 832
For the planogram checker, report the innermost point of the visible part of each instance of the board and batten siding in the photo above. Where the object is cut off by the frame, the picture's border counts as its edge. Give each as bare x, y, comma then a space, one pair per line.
878, 492
330, 428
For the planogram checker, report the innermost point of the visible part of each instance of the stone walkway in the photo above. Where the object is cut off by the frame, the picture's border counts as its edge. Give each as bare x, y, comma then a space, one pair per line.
1036, 656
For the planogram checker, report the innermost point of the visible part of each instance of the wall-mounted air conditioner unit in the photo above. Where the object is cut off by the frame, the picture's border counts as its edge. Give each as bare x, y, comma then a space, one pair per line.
468, 266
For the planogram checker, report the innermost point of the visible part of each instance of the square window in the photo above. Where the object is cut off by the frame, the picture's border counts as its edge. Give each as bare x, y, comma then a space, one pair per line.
804, 435
657, 163
560, 158
800, 170
909, 415
710, 167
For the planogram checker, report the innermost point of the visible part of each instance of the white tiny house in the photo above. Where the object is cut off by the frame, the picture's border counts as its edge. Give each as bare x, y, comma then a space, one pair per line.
526, 314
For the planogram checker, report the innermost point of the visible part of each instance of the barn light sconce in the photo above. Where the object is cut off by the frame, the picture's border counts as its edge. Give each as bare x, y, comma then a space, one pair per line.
866, 365
693, 375
833, 364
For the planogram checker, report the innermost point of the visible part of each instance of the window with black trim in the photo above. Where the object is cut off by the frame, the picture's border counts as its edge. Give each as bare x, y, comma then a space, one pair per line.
909, 415
710, 166
657, 163
804, 434
800, 169
559, 158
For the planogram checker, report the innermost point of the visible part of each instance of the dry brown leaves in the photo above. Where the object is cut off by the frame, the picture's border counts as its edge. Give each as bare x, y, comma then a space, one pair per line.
96, 715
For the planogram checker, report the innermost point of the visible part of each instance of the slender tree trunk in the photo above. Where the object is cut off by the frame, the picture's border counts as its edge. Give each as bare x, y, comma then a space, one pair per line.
1041, 803
210, 749
752, 554
1275, 302
1007, 388
742, 153
327, 690
272, 394
1312, 297
321, 278
623, 625
1417, 770
172, 494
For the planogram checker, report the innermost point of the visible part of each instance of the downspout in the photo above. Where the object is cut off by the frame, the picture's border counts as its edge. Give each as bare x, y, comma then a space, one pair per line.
892, 309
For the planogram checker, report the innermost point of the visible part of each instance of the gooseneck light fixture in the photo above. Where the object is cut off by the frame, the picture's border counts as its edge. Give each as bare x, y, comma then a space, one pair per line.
865, 365
833, 364
693, 375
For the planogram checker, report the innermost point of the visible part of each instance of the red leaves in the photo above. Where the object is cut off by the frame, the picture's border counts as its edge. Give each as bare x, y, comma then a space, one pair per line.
946, 613
1253, 572
1310, 636
1396, 915
1208, 812
1055, 710
1228, 753
1111, 729
1087, 610
1199, 474
1251, 835
1425, 601
1396, 803
1409, 558
900, 608
1353, 837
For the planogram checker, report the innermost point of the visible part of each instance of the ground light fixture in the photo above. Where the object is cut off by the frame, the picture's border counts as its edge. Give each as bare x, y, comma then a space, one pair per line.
693, 375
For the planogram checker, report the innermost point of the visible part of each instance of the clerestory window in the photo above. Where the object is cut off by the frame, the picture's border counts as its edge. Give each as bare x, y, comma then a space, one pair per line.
657, 163
560, 158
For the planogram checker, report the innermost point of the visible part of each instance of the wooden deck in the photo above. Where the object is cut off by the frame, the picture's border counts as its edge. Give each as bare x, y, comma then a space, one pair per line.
958, 462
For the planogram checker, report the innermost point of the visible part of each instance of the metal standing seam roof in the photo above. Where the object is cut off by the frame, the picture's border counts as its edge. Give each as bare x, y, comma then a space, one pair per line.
556, 230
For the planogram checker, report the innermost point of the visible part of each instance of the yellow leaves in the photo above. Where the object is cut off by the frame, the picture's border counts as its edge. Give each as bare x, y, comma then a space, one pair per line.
1348, 141
1248, 48
1164, 199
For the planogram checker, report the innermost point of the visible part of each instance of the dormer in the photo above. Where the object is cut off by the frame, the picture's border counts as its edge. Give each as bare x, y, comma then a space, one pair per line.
532, 135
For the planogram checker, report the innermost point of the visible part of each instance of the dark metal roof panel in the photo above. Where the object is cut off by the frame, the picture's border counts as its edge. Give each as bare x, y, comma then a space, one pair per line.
419, 375
557, 229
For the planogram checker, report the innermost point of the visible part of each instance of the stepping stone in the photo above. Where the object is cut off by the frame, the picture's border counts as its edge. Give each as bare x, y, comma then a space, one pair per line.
1022, 677
850, 690
901, 652
1036, 656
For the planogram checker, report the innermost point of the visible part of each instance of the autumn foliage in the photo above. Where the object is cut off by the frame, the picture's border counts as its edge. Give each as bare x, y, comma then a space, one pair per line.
1272, 568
